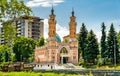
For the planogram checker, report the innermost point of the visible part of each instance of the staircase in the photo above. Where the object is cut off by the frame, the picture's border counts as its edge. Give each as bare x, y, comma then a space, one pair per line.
69, 65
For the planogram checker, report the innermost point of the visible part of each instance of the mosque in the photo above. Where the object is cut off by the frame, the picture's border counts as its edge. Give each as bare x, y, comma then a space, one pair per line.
56, 51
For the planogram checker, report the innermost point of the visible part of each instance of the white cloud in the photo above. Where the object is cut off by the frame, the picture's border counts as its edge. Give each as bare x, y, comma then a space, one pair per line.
46, 28
61, 31
43, 3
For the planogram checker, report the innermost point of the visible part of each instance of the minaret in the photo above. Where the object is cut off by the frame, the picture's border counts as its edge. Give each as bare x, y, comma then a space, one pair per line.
72, 26
52, 24
73, 43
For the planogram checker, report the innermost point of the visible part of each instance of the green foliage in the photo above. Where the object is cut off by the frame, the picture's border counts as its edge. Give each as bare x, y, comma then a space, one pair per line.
103, 41
5, 52
98, 56
90, 74
13, 59
66, 40
41, 41
9, 32
82, 41
31, 59
81, 63
92, 49
36, 74
119, 40
11, 9
23, 48
100, 64
112, 44
6, 56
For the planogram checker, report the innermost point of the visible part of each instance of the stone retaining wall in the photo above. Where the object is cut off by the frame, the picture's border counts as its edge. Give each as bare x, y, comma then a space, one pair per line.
84, 72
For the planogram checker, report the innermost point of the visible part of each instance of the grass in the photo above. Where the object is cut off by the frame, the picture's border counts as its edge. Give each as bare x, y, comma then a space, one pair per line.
109, 67
103, 67
37, 74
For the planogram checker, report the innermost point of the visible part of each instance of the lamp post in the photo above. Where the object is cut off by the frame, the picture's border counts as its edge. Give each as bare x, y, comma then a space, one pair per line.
119, 44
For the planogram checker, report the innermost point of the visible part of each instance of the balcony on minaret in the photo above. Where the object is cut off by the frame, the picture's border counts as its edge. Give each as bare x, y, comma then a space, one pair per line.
52, 24
72, 25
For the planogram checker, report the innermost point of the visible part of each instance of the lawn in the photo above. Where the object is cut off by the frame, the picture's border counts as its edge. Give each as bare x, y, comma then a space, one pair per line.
104, 67
36, 74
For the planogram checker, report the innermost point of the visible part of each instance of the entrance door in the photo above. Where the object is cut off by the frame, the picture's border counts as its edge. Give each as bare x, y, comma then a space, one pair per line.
64, 53
64, 60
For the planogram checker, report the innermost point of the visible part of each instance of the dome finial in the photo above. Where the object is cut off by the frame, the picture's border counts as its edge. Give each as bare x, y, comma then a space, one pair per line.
52, 10
72, 11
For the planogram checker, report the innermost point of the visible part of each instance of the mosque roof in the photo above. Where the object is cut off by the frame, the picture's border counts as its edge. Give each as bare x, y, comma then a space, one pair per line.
58, 38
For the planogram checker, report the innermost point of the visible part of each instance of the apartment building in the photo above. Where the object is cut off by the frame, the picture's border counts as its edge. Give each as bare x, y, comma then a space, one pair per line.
27, 26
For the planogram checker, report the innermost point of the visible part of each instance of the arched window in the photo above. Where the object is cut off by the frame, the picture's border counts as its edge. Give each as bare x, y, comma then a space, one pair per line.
64, 51
53, 32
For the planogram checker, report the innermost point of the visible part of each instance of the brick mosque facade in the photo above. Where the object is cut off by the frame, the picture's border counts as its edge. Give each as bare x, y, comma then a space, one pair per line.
55, 51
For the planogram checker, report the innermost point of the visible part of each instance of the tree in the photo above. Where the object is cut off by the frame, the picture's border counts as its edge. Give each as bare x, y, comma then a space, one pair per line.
1, 53
6, 56
9, 32
66, 40
9, 10
92, 49
41, 41
82, 41
5, 52
119, 40
103, 42
112, 44
23, 48
13, 59
119, 43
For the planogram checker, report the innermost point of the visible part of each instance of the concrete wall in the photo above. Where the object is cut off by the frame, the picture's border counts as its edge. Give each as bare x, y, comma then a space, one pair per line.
84, 72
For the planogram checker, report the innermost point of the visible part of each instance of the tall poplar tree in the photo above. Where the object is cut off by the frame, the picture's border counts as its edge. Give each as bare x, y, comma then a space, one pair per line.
82, 40
103, 42
112, 44
119, 40
92, 49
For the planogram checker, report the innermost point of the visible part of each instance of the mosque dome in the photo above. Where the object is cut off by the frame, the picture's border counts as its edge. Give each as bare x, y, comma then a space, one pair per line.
58, 38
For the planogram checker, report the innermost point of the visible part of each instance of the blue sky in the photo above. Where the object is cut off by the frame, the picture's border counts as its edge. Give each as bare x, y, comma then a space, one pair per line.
91, 12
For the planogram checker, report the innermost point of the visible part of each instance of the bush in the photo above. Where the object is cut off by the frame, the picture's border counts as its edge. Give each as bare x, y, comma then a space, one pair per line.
100, 64
108, 61
81, 63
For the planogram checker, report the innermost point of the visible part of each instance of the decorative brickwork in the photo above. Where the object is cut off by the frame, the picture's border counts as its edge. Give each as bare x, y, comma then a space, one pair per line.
58, 52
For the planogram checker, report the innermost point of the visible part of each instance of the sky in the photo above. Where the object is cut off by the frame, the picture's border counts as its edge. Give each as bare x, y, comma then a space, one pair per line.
90, 12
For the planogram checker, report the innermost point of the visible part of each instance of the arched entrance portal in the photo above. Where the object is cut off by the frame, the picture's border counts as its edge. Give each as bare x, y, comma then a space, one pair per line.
63, 55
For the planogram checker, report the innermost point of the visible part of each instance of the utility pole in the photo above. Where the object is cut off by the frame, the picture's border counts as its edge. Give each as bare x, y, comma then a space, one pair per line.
114, 53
